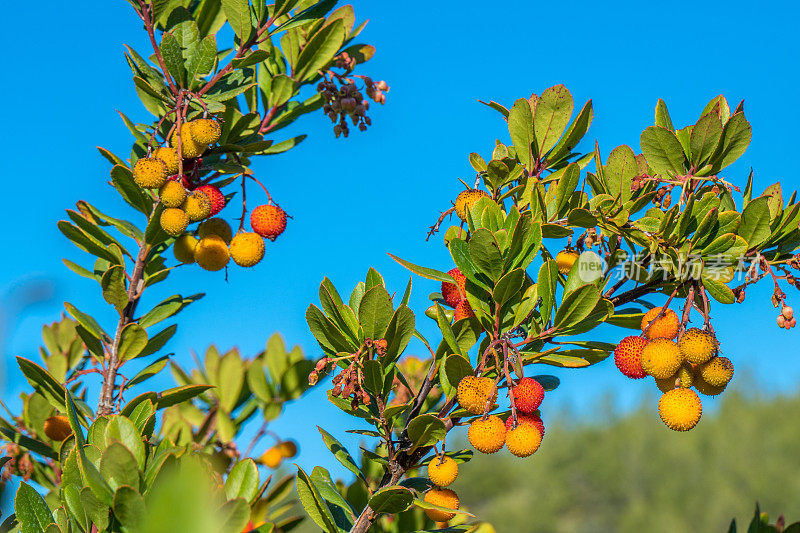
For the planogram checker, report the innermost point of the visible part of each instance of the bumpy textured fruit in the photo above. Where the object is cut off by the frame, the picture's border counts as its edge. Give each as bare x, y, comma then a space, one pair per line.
697, 346
272, 458
442, 474
666, 327
215, 226
473, 393
443, 498
287, 448
717, 372
463, 310
661, 358
523, 440
197, 206
704, 388
211, 253
183, 249
528, 395
205, 130
487, 436
57, 428
680, 409
269, 221
172, 194
466, 199
565, 259
189, 147
454, 292
174, 221
683, 378
628, 356
522, 418
149, 172
215, 196
247, 249
170, 158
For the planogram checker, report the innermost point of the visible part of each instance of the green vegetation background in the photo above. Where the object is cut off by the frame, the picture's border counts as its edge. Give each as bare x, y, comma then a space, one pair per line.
608, 473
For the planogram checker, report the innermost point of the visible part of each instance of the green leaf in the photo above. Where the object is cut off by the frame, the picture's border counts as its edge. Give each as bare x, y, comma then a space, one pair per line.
32, 511
754, 227
238, 14
319, 51
619, 171
43, 383
234, 515
122, 179
663, 151
85, 242
121, 429
113, 285
662, 116
718, 290
157, 341
87, 321
375, 312
425, 272
316, 11
520, 126
448, 336
551, 116
118, 466
485, 253
313, 503
508, 286
392, 499
735, 139
202, 59
28, 443
704, 138
576, 306
426, 430
166, 309
129, 508
242, 481
340, 453
575, 132
132, 340
230, 380
181, 394
173, 57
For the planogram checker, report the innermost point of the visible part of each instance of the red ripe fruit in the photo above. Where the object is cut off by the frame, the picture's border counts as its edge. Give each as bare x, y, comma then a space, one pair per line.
453, 293
216, 197
528, 395
269, 221
628, 356
522, 418
463, 310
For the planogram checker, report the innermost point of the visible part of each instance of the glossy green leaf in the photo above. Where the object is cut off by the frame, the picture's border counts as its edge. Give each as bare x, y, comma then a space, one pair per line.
426, 430
392, 499
663, 151
520, 126
551, 116
242, 481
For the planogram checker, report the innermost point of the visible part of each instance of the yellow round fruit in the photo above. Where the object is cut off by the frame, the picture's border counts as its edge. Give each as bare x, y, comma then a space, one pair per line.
149, 172
247, 249
174, 221
697, 346
565, 259
205, 130
57, 428
717, 372
197, 206
466, 199
680, 409
444, 473
183, 249
523, 440
704, 388
287, 448
169, 156
211, 253
666, 327
272, 458
189, 148
489, 435
473, 393
215, 226
661, 358
683, 378
443, 498
172, 194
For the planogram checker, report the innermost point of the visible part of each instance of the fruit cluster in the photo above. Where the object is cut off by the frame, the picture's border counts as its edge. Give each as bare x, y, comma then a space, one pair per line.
522, 431
212, 244
786, 319
677, 367
274, 456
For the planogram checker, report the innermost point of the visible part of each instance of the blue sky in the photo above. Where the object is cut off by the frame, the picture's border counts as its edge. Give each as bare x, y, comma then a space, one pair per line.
354, 200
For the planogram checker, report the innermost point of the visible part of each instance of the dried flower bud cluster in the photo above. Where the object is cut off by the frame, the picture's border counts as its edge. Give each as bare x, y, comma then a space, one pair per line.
347, 101
662, 197
19, 465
